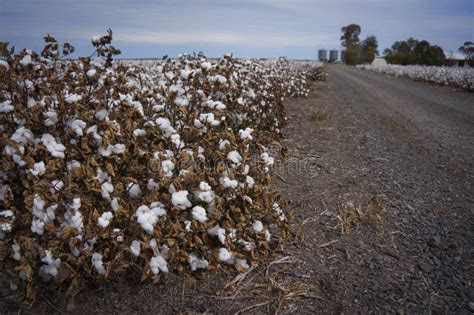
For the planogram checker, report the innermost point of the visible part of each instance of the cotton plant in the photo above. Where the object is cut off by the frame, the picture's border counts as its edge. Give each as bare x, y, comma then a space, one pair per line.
156, 164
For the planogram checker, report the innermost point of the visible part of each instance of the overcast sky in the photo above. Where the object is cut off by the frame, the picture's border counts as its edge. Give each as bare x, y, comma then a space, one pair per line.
261, 28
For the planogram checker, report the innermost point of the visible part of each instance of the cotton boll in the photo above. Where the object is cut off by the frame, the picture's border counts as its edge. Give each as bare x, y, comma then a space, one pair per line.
199, 214
180, 199
196, 263
167, 166
50, 267
157, 264
148, 216
91, 73
77, 125
152, 185
257, 226
135, 248
139, 133
72, 98
98, 263
218, 232
25, 61
16, 251
234, 157
104, 219
223, 143
246, 134
114, 204
55, 148
134, 190
226, 182
38, 169
101, 114
6, 106
226, 256
242, 263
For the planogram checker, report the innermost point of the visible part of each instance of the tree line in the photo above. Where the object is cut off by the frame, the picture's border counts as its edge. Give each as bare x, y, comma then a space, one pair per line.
405, 52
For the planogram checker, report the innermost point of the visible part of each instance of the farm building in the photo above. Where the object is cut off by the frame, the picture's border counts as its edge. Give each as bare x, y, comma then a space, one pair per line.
455, 59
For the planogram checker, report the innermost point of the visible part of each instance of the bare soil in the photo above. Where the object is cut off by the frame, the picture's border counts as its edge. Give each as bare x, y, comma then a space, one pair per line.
380, 174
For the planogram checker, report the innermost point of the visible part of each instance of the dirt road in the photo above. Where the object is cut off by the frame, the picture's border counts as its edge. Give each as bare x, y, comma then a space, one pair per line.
411, 146
399, 151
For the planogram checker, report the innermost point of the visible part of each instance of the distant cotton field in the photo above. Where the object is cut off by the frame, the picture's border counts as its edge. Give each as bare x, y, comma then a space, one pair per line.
452, 76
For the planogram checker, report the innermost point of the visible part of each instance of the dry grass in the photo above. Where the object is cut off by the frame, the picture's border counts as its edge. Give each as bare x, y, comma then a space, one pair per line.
319, 115
352, 215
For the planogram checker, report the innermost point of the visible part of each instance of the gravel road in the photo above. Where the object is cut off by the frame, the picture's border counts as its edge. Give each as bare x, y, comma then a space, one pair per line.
399, 151
409, 146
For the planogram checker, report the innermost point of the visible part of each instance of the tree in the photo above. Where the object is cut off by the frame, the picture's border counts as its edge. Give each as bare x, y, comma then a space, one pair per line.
413, 51
350, 36
368, 49
350, 56
468, 49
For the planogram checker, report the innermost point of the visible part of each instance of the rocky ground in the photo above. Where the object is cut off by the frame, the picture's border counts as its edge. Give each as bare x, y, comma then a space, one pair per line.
380, 174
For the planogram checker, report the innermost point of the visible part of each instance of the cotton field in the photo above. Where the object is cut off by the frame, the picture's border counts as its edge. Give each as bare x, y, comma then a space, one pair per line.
452, 76
149, 166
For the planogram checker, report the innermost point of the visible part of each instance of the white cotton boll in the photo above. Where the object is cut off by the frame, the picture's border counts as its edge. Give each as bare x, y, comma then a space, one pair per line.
104, 219
176, 139
77, 125
114, 204
157, 264
165, 126
139, 133
223, 143
226, 182
196, 263
106, 189
38, 169
56, 185
6, 106
234, 157
250, 181
267, 159
98, 263
225, 256
6, 213
16, 252
37, 226
246, 134
31, 102
257, 226
4, 64
148, 216
101, 175
120, 238
199, 214
218, 232
167, 166
206, 65
134, 190
181, 101
246, 170
118, 148
101, 114
180, 199
206, 194
50, 267
25, 61
72, 164
218, 78
135, 248
72, 98
72, 216
152, 185
242, 263
51, 118
91, 73
54, 148
22, 135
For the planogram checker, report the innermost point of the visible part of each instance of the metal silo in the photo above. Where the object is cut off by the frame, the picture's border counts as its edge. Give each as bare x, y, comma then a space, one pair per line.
343, 55
333, 54
323, 55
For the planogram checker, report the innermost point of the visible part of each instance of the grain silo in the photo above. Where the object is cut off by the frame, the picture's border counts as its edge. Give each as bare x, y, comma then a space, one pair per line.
333, 54
343, 55
323, 55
